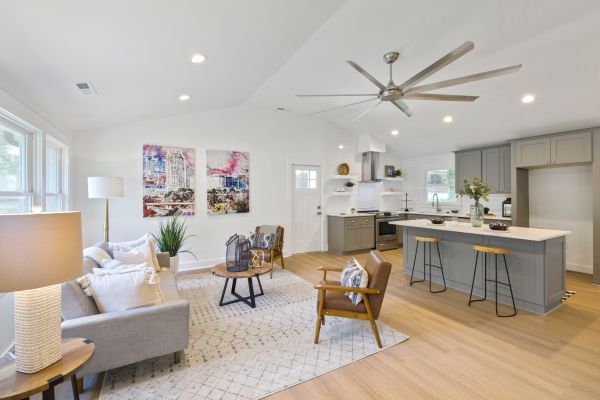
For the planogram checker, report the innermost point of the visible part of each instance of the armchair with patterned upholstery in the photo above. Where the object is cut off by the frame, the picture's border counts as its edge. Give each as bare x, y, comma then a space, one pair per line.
274, 251
332, 299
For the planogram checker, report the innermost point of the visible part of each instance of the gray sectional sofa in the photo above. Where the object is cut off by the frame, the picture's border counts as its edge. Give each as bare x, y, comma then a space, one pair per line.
129, 336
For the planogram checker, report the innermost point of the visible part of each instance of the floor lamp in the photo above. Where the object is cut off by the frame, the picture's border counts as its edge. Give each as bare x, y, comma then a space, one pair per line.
37, 253
105, 187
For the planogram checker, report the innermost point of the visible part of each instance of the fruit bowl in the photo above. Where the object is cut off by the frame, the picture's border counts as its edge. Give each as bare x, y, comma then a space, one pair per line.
437, 221
498, 226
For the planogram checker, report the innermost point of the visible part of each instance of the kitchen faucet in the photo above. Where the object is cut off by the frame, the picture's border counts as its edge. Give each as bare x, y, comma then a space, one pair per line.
436, 199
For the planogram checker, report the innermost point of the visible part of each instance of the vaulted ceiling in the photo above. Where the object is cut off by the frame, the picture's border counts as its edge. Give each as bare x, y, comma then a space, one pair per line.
263, 52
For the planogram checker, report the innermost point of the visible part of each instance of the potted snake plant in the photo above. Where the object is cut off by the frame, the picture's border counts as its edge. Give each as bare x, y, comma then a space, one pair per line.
171, 237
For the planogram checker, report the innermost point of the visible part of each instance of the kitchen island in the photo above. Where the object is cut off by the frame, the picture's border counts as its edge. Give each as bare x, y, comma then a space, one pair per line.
536, 264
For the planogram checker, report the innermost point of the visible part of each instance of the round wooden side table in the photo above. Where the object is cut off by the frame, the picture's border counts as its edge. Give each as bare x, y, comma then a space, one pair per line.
221, 270
17, 385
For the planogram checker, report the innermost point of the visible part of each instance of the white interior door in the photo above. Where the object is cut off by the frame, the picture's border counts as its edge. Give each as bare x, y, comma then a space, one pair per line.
306, 208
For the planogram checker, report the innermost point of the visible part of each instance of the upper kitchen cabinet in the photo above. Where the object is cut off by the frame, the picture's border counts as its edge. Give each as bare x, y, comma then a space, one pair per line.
569, 148
468, 165
495, 168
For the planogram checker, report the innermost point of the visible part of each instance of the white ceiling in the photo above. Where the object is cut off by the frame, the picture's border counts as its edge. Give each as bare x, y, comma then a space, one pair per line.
136, 53
262, 52
557, 41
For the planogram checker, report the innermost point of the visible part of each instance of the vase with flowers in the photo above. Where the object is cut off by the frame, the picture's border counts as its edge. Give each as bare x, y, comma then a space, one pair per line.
476, 189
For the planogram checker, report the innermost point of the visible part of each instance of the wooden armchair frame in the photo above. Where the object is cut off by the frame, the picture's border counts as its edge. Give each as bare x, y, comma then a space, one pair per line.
277, 247
323, 310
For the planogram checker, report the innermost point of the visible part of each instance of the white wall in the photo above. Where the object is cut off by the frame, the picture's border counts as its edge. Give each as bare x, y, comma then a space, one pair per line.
561, 198
414, 171
32, 116
275, 139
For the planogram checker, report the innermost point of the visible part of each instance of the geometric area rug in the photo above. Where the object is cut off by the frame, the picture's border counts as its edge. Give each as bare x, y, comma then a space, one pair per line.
237, 352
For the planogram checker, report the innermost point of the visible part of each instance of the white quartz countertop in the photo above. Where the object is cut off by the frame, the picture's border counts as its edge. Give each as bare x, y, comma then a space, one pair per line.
514, 232
441, 214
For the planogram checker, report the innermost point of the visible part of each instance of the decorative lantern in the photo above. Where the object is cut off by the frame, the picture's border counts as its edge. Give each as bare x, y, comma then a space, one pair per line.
237, 256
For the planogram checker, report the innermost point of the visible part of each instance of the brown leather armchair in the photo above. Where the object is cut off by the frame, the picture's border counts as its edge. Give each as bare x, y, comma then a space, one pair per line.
333, 301
276, 251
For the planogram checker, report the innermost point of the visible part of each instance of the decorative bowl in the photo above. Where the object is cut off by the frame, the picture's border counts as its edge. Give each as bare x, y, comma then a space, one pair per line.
343, 169
437, 221
498, 226
454, 211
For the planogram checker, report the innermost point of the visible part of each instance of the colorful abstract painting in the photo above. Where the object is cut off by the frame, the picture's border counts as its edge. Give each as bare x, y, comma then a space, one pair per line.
227, 178
169, 181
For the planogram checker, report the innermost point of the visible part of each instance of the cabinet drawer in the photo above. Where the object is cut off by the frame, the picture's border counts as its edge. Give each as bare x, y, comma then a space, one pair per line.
351, 221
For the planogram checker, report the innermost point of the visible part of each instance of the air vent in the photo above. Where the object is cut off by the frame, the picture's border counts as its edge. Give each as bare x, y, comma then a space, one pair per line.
85, 88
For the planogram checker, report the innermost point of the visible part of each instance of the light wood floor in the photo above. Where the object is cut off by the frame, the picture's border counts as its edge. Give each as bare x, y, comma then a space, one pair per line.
461, 352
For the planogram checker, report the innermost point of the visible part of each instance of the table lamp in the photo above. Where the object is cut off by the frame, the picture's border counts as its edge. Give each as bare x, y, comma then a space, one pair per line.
37, 253
105, 187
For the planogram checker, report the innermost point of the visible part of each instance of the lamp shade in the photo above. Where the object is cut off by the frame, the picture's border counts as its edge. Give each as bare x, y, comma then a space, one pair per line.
103, 187
38, 250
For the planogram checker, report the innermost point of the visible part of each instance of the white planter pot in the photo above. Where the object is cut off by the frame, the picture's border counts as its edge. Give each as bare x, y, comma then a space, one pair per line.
174, 263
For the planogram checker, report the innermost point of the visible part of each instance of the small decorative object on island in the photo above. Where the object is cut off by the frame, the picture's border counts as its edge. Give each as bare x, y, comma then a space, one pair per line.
506, 208
171, 238
227, 182
237, 257
169, 181
349, 185
476, 189
343, 169
498, 226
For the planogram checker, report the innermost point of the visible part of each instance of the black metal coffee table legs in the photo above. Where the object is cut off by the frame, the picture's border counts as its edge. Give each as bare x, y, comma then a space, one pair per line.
250, 300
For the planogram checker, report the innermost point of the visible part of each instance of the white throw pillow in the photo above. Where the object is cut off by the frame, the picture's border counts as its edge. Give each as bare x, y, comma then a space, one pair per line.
120, 265
123, 247
138, 255
354, 275
97, 254
117, 291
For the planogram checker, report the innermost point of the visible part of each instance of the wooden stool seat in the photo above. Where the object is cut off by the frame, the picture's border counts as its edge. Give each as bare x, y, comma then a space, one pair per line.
490, 249
427, 239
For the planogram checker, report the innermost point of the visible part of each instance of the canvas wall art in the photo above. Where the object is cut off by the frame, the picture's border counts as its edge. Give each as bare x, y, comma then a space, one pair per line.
169, 181
227, 182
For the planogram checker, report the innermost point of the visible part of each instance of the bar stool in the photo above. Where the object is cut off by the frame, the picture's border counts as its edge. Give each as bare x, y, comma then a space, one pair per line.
495, 251
427, 241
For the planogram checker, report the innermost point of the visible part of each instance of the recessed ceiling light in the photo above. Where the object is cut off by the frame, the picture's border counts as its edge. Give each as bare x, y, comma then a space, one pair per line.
448, 119
184, 97
198, 58
528, 98
395, 132
341, 146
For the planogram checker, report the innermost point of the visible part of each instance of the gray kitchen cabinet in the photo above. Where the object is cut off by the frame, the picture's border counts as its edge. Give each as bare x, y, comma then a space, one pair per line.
505, 165
571, 148
350, 233
468, 165
532, 152
490, 168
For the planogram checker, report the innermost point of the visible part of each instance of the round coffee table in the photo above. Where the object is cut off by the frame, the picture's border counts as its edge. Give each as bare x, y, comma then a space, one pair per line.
221, 270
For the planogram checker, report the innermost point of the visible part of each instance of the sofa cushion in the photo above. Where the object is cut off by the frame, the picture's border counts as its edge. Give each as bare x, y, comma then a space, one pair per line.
339, 301
75, 303
97, 254
147, 239
116, 290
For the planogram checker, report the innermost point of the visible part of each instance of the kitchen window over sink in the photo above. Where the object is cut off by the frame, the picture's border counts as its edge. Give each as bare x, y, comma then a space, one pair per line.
442, 182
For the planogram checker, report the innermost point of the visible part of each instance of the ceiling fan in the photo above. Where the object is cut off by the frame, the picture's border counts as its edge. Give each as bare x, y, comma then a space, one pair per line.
396, 94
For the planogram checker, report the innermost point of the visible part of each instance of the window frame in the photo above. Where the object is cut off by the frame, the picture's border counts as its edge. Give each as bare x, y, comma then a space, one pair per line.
452, 199
62, 173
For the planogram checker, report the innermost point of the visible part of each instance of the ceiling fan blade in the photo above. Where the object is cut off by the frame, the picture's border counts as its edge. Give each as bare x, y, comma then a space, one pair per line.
442, 97
402, 106
465, 79
337, 95
344, 106
367, 75
368, 110
439, 64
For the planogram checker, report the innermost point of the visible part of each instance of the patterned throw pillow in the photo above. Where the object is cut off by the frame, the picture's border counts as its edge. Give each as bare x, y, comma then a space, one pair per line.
354, 275
257, 240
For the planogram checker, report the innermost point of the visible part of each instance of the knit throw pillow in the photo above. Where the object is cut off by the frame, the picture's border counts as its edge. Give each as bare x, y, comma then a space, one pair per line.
354, 275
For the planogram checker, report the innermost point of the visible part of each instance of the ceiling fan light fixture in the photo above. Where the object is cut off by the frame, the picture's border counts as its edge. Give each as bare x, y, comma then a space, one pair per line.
448, 119
184, 97
395, 132
198, 58
528, 98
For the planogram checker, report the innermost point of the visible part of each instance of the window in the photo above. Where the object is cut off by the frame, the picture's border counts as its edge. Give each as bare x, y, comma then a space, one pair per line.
55, 175
442, 182
306, 179
16, 147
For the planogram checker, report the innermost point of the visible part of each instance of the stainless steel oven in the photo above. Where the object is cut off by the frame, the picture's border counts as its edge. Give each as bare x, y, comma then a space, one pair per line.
386, 234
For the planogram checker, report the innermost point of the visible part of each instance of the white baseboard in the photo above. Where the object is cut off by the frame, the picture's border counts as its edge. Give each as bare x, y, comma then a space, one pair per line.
584, 269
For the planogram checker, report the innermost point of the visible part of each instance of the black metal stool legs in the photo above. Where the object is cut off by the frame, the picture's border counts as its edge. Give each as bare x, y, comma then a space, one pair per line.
440, 267
428, 264
512, 297
495, 280
413, 268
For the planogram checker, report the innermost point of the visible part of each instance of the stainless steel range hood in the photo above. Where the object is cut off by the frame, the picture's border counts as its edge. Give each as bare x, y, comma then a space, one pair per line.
370, 148
370, 166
